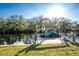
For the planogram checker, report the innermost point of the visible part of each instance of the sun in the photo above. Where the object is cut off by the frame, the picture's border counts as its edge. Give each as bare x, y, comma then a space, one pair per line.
55, 11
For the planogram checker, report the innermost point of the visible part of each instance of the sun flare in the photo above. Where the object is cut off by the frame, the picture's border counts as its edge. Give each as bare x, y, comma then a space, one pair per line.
55, 11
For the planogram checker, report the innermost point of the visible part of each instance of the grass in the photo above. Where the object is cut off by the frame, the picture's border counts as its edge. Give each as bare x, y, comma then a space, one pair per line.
40, 50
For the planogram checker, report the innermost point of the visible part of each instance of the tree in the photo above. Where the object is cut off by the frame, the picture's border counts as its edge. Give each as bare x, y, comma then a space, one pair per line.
61, 24
2, 24
65, 24
16, 21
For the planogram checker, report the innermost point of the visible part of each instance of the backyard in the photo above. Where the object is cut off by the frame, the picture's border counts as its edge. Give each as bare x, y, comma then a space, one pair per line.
39, 29
40, 50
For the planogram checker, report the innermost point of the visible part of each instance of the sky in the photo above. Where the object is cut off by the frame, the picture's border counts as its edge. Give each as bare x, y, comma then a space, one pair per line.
29, 10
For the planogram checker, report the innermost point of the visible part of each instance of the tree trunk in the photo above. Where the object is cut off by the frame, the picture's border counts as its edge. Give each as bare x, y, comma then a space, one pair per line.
35, 37
74, 35
10, 39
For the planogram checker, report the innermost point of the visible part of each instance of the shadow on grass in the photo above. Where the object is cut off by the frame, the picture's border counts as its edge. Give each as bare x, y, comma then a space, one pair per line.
27, 49
33, 47
76, 44
55, 47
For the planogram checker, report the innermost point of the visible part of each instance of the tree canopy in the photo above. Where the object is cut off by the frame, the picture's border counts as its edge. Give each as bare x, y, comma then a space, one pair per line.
39, 23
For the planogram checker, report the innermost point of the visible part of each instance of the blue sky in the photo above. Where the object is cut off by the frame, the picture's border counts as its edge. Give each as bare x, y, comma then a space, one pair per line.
29, 10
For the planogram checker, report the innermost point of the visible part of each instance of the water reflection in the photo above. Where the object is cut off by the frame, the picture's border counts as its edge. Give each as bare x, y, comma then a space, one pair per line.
16, 39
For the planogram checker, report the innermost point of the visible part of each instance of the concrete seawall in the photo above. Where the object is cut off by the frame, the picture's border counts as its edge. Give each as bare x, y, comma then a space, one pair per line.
49, 41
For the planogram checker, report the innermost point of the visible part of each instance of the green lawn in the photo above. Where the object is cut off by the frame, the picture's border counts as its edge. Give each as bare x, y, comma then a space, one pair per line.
40, 50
